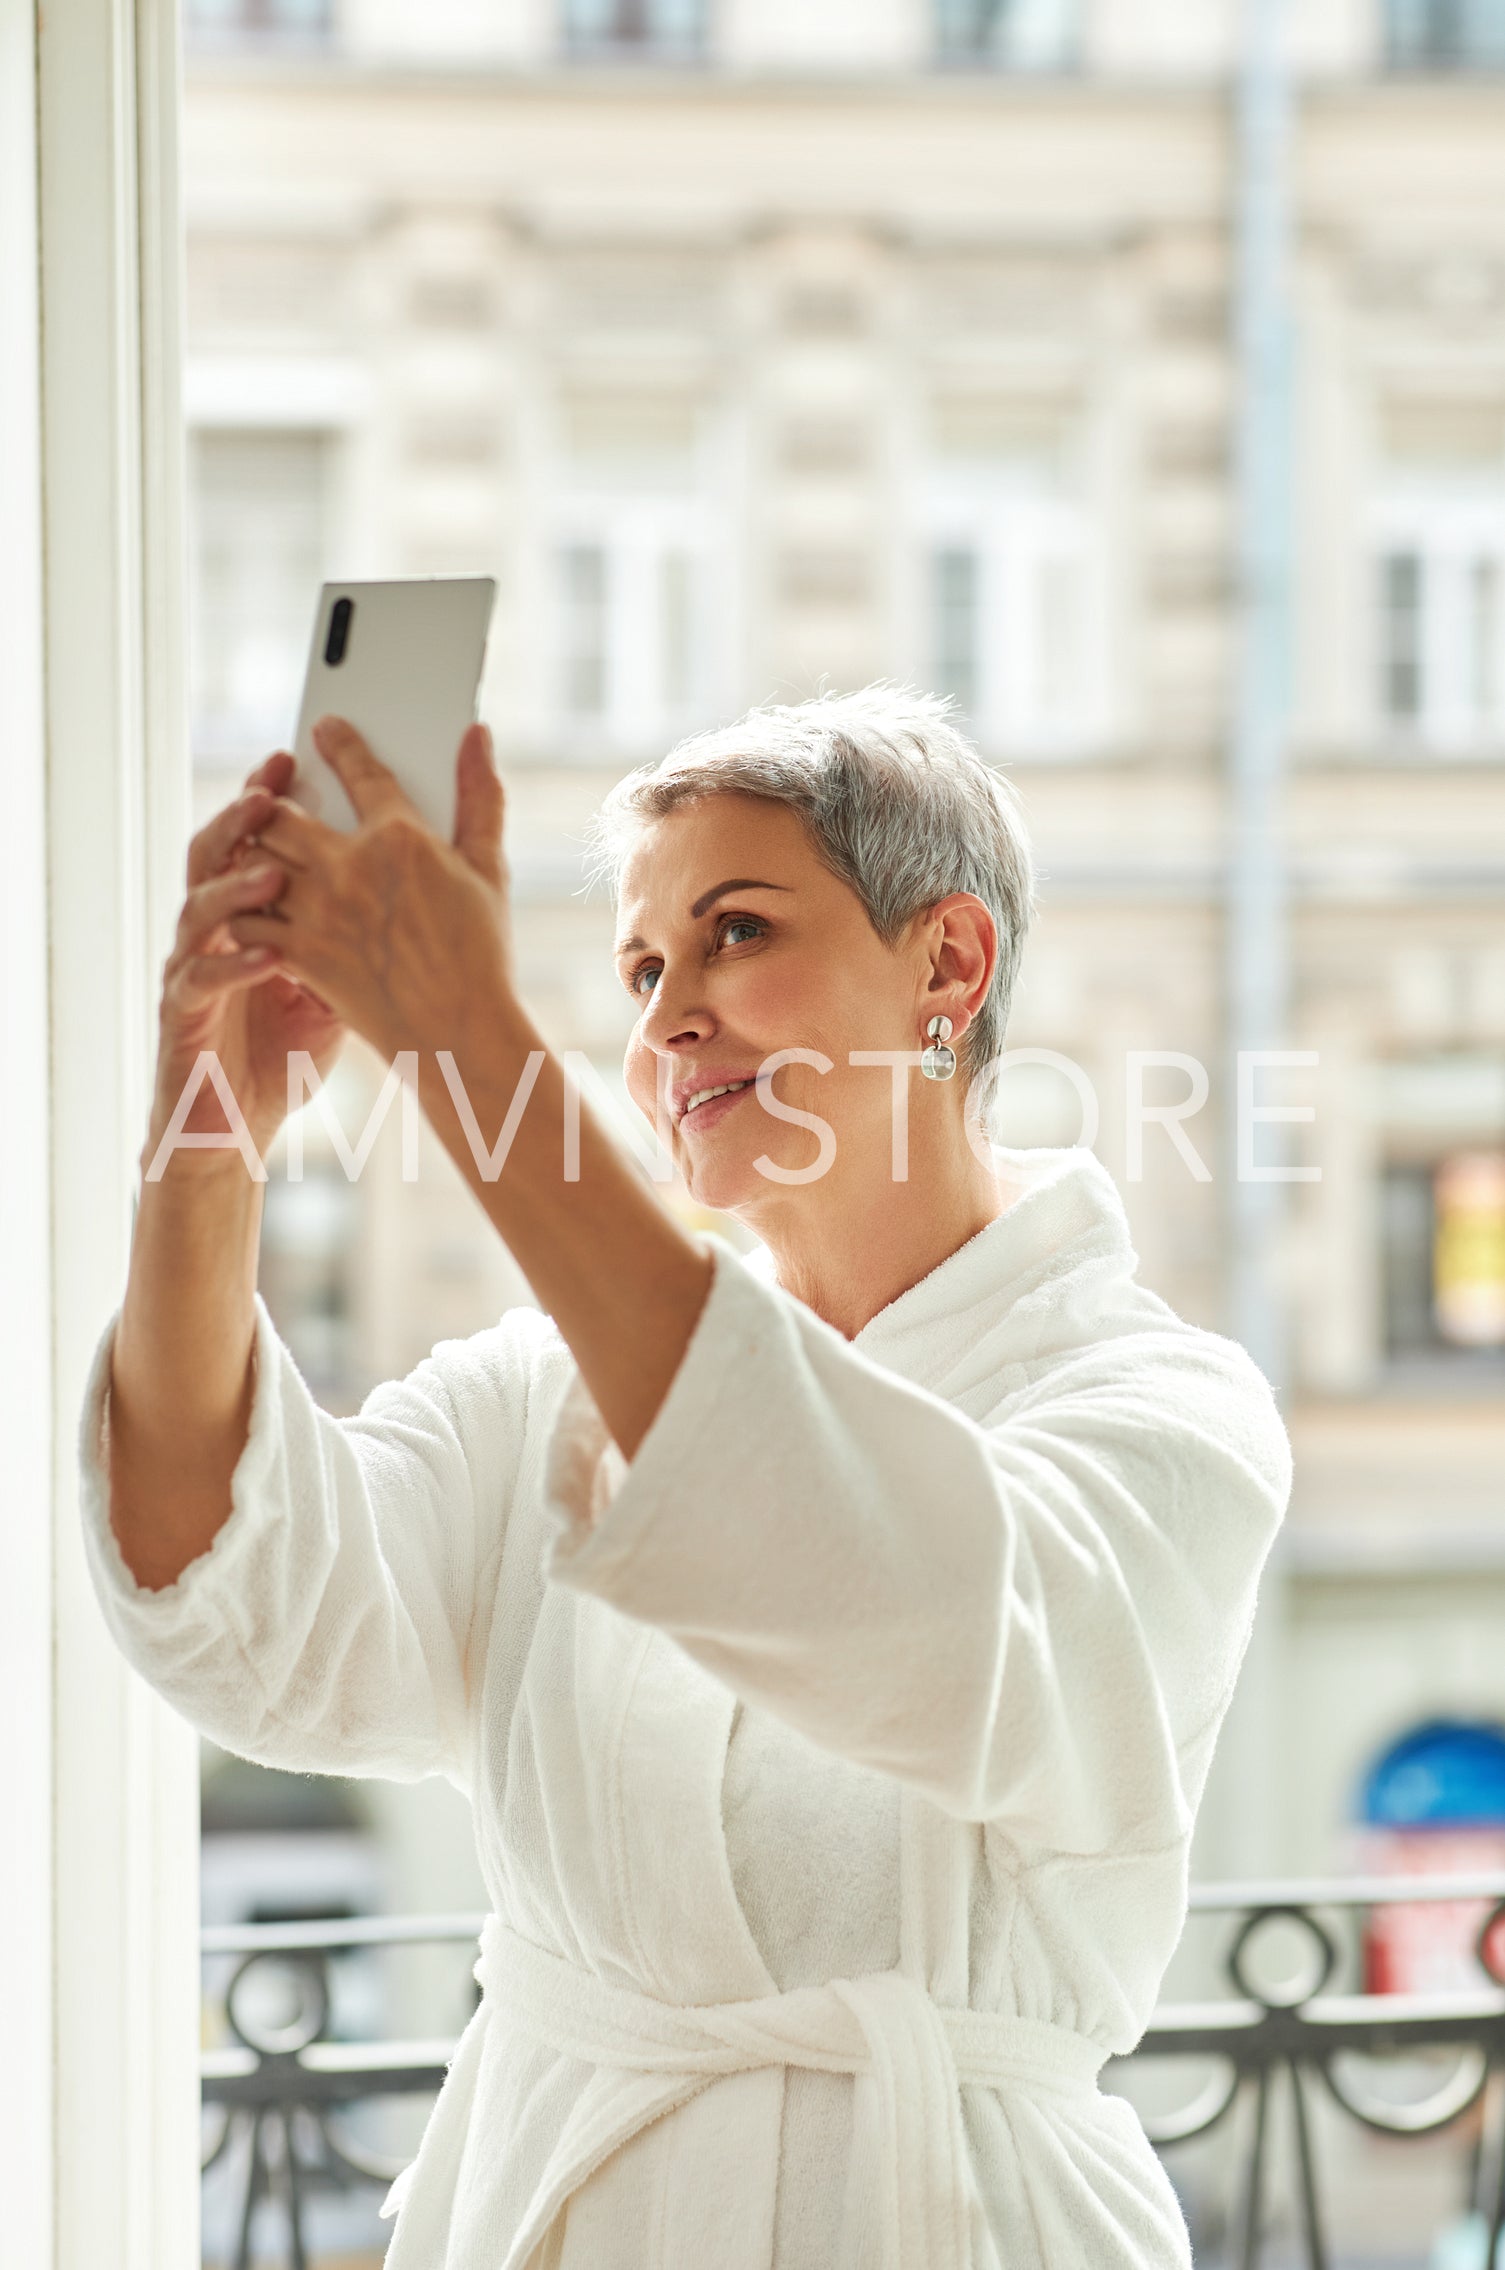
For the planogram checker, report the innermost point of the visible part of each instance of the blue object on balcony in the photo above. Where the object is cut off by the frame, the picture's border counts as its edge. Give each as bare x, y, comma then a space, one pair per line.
1449, 1773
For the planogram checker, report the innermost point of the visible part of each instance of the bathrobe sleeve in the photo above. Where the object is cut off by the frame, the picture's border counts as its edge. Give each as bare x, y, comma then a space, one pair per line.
1037, 1621
328, 1626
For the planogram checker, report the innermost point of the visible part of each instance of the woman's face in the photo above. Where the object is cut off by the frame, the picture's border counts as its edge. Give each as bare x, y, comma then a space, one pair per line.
722, 978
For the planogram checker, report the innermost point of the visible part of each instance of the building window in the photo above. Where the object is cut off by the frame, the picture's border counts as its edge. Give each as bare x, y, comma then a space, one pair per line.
584, 629
1400, 636
1443, 1231
676, 631
655, 30
211, 23
1445, 35
1440, 616
632, 626
307, 1271
957, 624
1014, 618
1009, 35
257, 521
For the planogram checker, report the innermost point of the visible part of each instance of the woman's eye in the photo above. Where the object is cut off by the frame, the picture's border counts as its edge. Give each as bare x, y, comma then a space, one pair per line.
639, 981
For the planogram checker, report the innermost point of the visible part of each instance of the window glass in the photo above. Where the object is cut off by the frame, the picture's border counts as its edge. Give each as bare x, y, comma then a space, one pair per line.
1445, 35
257, 531
1443, 1239
957, 629
1015, 616
676, 630
306, 1275
1019, 35
633, 627
1401, 636
208, 21
584, 623
626, 26
1440, 607
1468, 1249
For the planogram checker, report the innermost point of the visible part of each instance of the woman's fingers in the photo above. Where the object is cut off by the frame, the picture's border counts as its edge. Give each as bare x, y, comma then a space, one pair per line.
211, 903
274, 772
479, 804
291, 832
211, 848
204, 974
219, 840
368, 783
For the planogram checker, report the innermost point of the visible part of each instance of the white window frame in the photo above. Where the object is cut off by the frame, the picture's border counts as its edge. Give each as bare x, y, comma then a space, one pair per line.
1014, 524
98, 1866
1448, 528
638, 532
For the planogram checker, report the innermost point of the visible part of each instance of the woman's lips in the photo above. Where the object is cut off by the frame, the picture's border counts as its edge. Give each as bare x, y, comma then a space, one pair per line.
717, 1108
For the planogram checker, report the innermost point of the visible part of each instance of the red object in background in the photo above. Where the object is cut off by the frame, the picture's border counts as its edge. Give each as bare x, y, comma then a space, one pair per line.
1427, 1947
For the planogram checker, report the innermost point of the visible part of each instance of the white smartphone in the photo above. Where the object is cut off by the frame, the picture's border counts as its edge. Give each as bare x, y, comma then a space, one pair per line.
403, 662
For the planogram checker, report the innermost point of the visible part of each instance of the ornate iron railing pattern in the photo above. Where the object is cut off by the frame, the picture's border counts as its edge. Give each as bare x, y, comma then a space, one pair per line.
276, 2084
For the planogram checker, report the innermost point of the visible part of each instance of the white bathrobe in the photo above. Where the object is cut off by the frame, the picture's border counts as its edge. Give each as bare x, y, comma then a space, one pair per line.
833, 1763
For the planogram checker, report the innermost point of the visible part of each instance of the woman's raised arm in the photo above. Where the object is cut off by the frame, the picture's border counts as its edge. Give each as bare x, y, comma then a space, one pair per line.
1035, 1621
336, 1621
301, 1587
180, 1372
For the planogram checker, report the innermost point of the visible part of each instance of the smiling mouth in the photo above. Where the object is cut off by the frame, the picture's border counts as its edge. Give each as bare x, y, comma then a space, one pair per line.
715, 1105
713, 1095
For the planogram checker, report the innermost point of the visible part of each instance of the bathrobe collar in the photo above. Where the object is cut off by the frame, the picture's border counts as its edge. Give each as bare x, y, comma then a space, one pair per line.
1035, 1281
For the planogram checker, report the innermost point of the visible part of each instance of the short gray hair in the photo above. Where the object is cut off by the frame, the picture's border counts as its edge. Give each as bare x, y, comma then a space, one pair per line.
898, 804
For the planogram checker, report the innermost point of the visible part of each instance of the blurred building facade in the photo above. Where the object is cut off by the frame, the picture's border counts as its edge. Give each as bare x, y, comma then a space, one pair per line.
759, 347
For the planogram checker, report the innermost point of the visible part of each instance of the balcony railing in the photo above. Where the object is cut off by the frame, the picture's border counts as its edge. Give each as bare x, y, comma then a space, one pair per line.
279, 2094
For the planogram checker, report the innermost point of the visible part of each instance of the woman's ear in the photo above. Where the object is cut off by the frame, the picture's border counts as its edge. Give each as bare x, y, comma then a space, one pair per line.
963, 943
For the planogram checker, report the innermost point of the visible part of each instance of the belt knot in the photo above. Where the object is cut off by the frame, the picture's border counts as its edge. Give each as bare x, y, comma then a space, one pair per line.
908, 2053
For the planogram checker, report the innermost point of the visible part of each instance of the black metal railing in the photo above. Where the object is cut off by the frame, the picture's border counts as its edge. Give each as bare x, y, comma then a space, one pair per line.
278, 2094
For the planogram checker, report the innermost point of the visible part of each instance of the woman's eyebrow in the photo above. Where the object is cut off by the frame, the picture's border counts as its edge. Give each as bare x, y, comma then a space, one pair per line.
708, 898
738, 881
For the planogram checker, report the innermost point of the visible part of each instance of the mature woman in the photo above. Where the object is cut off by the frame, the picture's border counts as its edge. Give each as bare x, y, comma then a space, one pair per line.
831, 1638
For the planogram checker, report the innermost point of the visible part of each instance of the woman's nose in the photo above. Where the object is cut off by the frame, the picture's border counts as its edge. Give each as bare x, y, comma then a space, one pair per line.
672, 1018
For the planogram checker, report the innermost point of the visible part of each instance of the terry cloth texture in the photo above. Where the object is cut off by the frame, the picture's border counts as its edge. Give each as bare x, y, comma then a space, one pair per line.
833, 1762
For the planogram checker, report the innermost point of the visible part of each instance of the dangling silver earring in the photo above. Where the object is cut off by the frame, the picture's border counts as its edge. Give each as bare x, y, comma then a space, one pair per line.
938, 1061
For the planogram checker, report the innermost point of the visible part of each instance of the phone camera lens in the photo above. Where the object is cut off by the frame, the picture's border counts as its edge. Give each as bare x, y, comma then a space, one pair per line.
339, 631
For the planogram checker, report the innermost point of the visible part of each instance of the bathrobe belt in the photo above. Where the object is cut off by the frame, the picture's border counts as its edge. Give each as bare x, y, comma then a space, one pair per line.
652, 2056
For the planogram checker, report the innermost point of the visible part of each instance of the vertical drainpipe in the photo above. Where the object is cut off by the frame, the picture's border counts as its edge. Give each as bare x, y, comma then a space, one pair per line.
1256, 944
1249, 1825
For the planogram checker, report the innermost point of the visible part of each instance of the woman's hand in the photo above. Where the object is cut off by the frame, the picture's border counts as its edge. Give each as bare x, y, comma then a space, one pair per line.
233, 1001
402, 934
